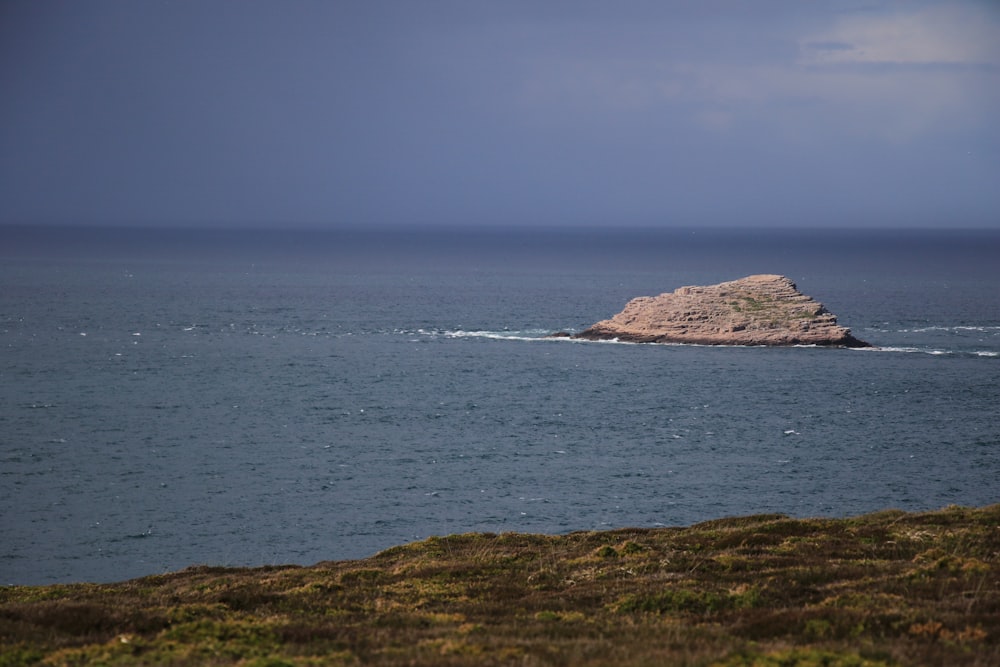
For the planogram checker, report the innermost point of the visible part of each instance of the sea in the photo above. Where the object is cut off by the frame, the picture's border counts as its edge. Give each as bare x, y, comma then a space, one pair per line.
180, 397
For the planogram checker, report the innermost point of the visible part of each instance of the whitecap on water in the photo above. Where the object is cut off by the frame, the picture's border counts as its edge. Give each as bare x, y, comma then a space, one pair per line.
526, 335
906, 350
960, 327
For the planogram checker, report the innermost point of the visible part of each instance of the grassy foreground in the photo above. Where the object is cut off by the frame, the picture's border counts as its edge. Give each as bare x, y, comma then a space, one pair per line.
889, 588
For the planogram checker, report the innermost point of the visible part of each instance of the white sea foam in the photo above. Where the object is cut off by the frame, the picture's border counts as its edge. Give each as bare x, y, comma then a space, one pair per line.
963, 327
934, 352
545, 335
528, 335
905, 350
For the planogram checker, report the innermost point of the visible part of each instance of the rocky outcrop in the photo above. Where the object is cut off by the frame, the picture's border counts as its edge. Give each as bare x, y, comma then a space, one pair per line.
756, 310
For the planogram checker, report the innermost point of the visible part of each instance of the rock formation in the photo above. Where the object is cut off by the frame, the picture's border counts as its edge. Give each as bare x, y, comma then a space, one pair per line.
756, 310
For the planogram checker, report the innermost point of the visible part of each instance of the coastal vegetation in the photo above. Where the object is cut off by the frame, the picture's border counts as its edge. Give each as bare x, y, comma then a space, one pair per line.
890, 588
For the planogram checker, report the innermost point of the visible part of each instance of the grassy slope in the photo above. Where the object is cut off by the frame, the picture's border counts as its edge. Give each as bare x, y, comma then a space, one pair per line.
883, 589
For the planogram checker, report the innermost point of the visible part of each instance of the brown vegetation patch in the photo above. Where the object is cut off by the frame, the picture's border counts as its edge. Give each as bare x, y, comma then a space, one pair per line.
889, 588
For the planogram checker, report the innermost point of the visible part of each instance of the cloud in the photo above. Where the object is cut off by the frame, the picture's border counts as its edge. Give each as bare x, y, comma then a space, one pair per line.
892, 76
902, 75
942, 35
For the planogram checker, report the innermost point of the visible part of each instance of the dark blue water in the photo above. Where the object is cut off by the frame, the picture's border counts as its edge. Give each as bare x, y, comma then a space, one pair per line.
177, 398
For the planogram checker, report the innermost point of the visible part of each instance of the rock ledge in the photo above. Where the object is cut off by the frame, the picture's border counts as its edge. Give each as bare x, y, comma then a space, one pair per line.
756, 310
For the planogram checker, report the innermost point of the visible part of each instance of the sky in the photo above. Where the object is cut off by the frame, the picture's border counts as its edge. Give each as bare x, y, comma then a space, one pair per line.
327, 113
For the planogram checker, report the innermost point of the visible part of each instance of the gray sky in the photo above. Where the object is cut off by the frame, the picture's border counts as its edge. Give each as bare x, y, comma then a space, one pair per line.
859, 113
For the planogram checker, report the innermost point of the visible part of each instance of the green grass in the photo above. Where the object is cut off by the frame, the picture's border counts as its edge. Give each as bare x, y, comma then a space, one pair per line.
883, 589
764, 309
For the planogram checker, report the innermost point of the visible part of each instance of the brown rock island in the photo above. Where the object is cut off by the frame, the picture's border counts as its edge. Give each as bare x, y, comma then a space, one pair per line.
756, 310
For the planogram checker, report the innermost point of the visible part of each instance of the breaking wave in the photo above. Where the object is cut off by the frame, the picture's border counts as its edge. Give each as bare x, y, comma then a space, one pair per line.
545, 335
959, 328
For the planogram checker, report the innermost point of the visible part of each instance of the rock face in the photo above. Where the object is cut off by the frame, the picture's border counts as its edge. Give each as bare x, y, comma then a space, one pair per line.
756, 310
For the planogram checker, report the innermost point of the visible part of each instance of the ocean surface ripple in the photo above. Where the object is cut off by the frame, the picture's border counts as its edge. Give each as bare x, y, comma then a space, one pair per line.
326, 398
